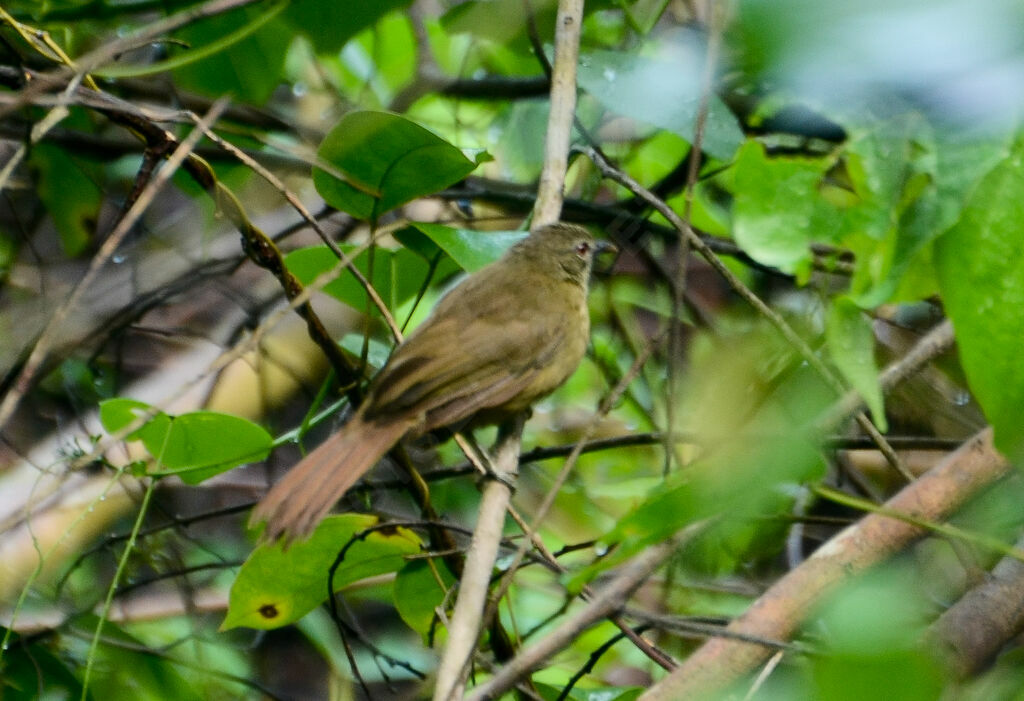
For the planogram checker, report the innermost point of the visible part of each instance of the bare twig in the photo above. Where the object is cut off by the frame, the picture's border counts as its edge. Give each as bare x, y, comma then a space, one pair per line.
605, 602
675, 334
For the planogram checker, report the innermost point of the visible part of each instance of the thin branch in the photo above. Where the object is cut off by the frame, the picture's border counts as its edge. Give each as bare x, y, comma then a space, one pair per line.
682, 255
607, 601
466, 625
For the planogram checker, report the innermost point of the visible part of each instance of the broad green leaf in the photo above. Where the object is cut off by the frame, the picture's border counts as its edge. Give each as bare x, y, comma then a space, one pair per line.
69, 190
330, 24
981, 275
911, 182
500, 21
420, 588
397, 275
663, 90
470, 249
275, 586
194, 446
387, 161
117, 413
233, 68
200, 52
777, 212
851, 343
126, 662
875, 625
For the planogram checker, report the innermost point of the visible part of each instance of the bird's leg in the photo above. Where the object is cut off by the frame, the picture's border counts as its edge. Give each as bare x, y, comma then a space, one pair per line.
480, 458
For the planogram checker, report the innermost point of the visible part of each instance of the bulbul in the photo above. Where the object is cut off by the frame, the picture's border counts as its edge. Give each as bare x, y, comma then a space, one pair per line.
503, 338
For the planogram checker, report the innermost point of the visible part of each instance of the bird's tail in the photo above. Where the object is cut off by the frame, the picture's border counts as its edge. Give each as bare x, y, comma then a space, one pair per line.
294, 506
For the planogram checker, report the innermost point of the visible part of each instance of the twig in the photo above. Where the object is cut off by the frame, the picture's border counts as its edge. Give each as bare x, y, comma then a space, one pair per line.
606, 602
111, 49
296, 203
675, 334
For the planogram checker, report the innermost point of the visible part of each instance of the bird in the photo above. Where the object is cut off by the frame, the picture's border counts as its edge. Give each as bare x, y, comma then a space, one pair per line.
503, 338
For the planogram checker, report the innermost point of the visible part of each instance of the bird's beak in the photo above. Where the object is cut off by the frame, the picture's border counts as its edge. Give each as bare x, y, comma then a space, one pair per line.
605, 247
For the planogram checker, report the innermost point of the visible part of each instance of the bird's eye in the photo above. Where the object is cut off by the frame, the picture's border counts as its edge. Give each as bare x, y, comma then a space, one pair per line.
583, 248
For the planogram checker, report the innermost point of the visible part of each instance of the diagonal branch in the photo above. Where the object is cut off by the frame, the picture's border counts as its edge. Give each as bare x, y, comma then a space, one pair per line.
780, 611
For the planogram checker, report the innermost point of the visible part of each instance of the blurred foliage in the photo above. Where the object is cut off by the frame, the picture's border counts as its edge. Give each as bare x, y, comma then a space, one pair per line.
859, 162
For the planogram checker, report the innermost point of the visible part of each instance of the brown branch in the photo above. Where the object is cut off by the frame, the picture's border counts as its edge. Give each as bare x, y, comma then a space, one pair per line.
974, 629
779, 612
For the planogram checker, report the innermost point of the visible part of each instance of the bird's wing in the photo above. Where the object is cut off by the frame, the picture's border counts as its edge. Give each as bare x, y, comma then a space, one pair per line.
474, 353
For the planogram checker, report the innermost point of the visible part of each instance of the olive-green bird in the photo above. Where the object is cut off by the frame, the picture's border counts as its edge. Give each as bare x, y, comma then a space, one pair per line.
503, 338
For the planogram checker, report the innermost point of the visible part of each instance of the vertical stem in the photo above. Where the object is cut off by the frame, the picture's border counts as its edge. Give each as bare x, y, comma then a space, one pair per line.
464, 628
467, 619
563, 106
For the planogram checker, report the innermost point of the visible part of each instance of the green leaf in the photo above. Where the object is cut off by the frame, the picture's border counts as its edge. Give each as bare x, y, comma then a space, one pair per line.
875, 624
377, 353
419, 591
275, 587
116, 414
721, 486
36, 670
70, 193
194, 446
331, 24
237, 51
777, 207
661, 89
908, 181
470, 249
396, 275
207, 48
386, 161
851, 343
981, 276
